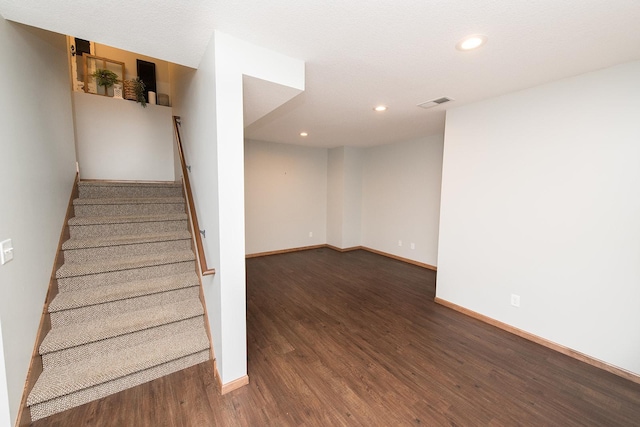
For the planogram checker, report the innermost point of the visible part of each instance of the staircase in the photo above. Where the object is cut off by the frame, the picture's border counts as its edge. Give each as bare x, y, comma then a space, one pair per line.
128, 309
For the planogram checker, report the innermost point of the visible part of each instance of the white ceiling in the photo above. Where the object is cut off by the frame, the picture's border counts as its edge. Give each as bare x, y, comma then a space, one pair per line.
361, 53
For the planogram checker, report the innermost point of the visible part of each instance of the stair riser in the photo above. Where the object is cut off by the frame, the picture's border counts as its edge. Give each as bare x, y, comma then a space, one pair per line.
135, 228
133, 209
77, 354
44, 409
123, 251
106, 310
101, 279
97, 192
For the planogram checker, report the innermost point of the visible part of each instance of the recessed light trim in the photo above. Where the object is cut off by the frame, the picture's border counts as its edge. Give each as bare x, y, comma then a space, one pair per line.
471, 42
304, 134
380, 108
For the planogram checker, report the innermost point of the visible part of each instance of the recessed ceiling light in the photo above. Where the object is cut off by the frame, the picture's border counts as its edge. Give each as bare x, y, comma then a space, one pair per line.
303, 134
471, 42
380, 108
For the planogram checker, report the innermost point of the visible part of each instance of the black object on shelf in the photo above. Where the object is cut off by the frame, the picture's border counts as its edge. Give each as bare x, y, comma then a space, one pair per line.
147, 73
82, 46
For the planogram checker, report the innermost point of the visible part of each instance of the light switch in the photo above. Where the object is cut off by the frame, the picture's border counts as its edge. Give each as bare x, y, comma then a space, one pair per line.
6, 251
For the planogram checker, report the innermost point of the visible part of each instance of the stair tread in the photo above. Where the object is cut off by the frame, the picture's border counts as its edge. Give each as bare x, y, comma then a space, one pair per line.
77, 354
123, 219
99, 242
83, 333
128, 184
128, 201
109, 293
126, 263
63, 380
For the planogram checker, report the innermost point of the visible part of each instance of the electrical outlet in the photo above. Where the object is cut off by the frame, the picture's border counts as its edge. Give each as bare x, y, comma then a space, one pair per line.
413, 245
311, 234
6, 251
399, 242
515, 300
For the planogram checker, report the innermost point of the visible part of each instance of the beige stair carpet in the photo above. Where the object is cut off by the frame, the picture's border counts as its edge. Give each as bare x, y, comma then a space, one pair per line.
128, 309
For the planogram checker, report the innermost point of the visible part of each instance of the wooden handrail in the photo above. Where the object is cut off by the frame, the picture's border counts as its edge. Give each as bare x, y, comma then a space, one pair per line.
192, 208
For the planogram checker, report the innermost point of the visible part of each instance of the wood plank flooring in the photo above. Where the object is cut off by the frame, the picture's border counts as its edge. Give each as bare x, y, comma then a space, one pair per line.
355, 339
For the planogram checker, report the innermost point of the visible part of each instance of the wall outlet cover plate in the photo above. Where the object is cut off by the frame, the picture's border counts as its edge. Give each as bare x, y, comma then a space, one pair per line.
6, 251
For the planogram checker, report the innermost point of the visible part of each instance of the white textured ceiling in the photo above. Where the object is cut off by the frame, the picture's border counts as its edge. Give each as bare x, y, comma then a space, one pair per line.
173, 30
360, 53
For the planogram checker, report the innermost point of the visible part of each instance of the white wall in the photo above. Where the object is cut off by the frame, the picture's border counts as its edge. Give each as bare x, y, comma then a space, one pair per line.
194, 93
344, 196
209, 101
285, 196
335, 196
375, 197
38, 169
120, 140
401, 194
5, 418
540, 198
352, 197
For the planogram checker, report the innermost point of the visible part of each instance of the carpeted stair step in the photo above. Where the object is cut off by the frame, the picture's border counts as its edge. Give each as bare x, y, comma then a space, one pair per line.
77, 354
124, 263
96, 226
106, 311
61, 388
119, 291
76, 276
96, 189
83, 333
53, 406
113, 277
128, 206
93, 248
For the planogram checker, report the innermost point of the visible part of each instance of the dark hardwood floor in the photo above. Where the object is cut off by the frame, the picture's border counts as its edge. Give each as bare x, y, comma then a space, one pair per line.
356, 339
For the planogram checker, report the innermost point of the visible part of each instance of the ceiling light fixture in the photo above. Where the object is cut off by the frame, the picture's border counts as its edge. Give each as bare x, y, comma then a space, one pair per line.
380, 108
303, 134
471, 42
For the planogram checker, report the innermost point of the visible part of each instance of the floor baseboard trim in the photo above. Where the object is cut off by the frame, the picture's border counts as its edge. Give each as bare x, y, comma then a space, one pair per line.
399, 258
232, 385
284, 251
352, 248
349, 249
543, 342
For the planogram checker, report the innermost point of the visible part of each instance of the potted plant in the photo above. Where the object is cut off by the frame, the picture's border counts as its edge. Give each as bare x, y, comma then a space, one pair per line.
134, 91
138, 87
106, 78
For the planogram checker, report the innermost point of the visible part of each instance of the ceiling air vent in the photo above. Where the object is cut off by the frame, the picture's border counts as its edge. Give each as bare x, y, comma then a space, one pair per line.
435, 102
